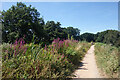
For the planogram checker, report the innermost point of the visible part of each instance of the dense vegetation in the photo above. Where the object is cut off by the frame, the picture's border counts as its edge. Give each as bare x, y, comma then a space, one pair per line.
22, 21
57, 60
107, 57
109, 37
34, 49
87, 37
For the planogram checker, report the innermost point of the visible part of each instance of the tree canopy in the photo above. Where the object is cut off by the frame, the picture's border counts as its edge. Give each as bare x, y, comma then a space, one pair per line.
88, 37
109, 36
20, 21
25, 21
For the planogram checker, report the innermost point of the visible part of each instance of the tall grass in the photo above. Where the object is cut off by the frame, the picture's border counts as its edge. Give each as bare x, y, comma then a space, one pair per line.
58, 60
107, 57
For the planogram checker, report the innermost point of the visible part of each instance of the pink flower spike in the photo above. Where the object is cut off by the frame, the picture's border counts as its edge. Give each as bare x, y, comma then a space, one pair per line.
10, 45
15, 42
58, 39
45, 47
24, 36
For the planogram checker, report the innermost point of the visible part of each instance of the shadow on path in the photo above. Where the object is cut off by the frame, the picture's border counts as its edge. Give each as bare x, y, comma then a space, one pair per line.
87, 67
80, 66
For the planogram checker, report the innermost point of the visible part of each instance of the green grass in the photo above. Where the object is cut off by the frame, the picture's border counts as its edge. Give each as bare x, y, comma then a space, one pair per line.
57, 60
107, 57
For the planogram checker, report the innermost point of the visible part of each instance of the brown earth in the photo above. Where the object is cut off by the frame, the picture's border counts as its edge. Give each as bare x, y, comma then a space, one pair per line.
88, 67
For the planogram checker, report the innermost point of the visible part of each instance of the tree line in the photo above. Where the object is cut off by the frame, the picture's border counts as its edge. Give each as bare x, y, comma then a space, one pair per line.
109, 37
25, 21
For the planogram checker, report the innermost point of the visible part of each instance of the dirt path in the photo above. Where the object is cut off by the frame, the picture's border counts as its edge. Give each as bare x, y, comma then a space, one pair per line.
88, 67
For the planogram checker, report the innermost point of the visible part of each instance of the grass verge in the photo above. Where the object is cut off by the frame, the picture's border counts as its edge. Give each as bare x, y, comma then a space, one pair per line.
108, 59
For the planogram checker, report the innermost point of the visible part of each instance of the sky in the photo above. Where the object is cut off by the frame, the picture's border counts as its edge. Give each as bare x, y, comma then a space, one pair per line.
89, 17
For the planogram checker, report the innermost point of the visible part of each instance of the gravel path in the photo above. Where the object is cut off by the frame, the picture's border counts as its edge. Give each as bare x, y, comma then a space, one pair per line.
88, 67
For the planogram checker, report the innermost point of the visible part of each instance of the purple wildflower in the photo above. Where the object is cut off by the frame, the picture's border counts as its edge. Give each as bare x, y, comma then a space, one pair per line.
45, 47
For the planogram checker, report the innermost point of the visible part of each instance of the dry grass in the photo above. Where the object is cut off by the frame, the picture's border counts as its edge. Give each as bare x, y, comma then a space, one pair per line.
107, 59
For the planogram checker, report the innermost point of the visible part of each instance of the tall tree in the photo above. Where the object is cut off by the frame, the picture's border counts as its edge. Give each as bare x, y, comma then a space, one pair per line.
88, 37
109, 37
54, 30
75, 32
21, 20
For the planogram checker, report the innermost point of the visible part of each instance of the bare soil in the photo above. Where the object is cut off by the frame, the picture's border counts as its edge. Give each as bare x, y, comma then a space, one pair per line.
88, 67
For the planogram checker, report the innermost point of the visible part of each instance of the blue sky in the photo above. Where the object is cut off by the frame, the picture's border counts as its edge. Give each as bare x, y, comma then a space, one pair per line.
90, 17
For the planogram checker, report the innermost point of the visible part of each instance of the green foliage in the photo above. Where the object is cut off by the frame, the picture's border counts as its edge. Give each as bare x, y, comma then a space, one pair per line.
108, 59
87, 37
36, 63
54, 61
24, 21
109, 37
20, 21
54, 31
73, 32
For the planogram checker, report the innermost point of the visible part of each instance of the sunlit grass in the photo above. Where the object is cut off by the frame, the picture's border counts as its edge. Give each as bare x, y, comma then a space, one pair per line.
107, 57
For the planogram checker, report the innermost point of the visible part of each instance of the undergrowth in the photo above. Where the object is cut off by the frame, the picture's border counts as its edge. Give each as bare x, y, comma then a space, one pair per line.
58, 60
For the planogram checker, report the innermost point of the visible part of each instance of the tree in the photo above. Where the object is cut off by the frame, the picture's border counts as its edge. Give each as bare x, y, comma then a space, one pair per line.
54, 31
21, 20
75, 32
88, 37
109, 37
